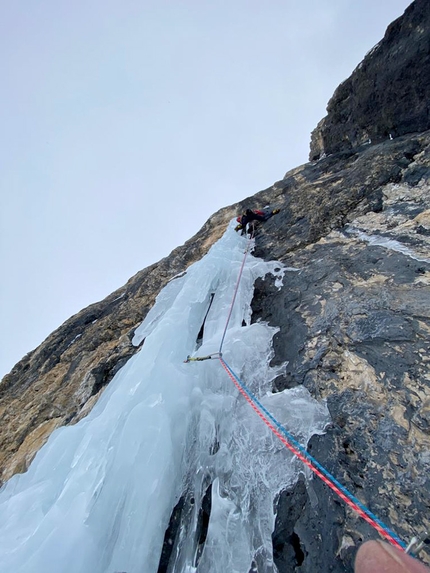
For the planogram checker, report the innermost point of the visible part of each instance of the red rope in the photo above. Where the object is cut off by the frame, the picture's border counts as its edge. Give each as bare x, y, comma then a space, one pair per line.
235, 292
309, 464
334, 485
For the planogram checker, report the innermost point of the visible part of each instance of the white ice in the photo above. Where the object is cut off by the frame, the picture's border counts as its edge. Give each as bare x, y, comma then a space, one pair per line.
387, 243
99, 495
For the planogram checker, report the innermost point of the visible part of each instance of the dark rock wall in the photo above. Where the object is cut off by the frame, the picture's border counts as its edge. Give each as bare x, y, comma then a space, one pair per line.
387, 95
354, 328
354, 321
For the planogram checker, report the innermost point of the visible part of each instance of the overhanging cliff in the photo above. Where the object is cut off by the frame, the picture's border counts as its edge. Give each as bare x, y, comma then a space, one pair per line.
387, 95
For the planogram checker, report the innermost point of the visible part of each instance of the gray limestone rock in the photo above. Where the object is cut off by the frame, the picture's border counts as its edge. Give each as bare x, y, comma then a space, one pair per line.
354, 323
387, 95
354, 328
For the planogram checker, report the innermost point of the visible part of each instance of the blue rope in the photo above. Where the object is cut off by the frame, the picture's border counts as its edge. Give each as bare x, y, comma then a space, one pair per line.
330, 478
305, 453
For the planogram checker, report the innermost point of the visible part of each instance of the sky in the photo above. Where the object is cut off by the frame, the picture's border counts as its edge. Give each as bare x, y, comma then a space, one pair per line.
125, 125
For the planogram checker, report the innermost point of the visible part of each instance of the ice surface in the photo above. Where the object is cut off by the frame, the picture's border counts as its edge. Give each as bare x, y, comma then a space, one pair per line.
98, 496
386, 242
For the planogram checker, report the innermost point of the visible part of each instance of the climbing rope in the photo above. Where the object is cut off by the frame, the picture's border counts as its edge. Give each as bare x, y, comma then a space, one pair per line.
247, 249
300, 452
236, 289
290, 442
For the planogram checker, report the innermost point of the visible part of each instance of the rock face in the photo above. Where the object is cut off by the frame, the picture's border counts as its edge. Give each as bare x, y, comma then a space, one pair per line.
354, 322
354, 328
389, 92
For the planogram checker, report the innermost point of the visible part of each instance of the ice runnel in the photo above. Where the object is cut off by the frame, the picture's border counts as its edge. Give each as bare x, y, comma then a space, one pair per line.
99, 495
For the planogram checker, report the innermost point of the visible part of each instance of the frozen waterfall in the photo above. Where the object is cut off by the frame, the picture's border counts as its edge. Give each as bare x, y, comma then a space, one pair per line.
99, 495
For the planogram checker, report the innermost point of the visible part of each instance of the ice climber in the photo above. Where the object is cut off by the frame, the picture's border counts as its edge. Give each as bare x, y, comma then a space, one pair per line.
251, 215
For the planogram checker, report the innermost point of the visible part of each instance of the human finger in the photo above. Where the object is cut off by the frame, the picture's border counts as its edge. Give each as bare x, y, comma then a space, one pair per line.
379, 557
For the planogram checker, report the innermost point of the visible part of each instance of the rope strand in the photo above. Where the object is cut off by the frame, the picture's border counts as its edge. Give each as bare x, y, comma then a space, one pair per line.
288, 439
294, 446
235, 292
300, 452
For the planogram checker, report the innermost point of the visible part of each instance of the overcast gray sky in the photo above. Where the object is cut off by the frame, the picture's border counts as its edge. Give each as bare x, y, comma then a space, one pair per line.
126, 124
